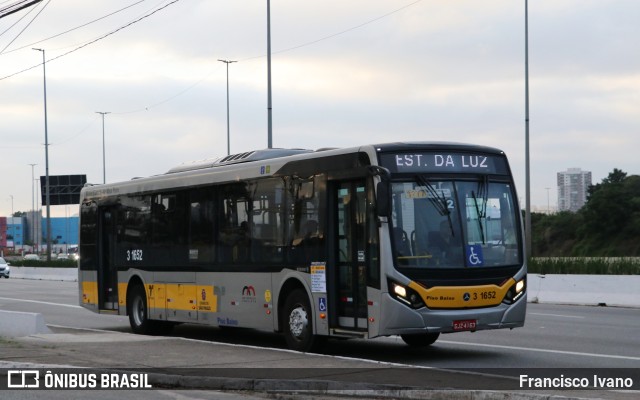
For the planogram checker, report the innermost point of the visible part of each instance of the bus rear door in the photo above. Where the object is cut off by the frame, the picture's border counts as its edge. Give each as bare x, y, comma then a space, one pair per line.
107, 271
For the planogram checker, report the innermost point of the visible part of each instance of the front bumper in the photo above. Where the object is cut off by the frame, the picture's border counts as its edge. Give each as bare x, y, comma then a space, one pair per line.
404, 320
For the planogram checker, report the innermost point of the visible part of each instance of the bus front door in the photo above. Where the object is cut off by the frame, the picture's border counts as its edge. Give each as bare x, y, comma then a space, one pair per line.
107, 272
350, 224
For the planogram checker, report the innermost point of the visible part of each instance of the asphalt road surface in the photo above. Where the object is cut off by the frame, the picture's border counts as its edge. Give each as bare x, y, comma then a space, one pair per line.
554, 336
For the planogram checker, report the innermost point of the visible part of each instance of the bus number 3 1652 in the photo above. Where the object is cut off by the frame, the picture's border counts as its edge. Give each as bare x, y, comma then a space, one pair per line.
134, 255
485, 295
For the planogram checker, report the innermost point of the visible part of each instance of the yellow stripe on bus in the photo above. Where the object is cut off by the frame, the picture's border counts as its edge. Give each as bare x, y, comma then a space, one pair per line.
180, 296
172, 296
89, 292
463, 296
122, 294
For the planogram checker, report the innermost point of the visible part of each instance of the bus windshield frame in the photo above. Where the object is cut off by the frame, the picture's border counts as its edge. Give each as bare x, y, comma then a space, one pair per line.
454, 222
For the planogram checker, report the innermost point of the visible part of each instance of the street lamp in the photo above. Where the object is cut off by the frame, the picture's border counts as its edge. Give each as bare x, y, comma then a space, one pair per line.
269, 107
526, 129
228, 134
46, 152
33, 215
38, 224
548, 206
104, 165
13, 226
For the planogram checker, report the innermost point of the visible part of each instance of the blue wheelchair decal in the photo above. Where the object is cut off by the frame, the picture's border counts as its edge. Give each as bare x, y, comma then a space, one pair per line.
474, 255
322, 304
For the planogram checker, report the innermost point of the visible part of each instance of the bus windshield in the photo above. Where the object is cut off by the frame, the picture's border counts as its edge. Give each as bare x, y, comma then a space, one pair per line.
447, 223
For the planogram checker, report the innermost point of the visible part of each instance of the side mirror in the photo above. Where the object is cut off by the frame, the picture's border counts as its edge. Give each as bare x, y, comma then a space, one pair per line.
383, 190
383, 199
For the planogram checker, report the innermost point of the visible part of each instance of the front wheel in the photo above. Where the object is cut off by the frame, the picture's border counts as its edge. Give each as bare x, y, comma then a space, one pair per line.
297, 320
420, 339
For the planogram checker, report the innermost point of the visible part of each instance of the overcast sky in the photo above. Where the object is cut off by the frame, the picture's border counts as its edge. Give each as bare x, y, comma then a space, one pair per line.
344, 73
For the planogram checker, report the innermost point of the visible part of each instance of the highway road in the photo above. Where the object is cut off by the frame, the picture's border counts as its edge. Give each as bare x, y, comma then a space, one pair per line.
554, 336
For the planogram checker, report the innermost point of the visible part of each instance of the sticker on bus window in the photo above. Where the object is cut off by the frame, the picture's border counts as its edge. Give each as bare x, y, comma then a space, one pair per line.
474, 255
318, 277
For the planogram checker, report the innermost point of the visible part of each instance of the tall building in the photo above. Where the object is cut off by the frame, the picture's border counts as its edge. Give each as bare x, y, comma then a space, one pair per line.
572, 189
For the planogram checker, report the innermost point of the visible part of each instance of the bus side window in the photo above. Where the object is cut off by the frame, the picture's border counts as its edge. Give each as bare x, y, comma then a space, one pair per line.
268, 221
201, 226
233, 229
168, 229
306, 223
134, 228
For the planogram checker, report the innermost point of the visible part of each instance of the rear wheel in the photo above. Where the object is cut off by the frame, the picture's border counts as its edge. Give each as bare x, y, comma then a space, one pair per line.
138, 310
420, 339
297, 320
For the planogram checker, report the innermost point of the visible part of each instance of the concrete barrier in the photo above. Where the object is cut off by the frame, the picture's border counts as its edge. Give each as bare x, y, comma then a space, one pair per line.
48, 274
15, 323
596, 290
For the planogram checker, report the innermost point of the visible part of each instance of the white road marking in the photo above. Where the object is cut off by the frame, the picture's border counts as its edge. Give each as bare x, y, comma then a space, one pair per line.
41, 302
571, 353
557, 315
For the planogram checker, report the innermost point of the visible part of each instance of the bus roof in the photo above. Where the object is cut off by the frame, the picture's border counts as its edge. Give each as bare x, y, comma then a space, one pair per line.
254, 155
243, 165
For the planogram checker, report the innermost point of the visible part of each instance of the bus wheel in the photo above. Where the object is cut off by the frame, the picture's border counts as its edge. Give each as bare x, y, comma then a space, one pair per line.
138, 311
420, 339
298, 324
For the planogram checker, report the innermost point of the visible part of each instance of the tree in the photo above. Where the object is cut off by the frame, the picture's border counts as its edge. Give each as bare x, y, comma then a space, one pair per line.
554, 235
617, 176
612, 211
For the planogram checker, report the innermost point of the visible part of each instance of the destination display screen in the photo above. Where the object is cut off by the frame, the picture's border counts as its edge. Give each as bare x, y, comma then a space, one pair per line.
444, 162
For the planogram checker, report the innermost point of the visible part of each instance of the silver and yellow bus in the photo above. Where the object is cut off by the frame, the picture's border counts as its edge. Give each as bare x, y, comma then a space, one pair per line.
410, 239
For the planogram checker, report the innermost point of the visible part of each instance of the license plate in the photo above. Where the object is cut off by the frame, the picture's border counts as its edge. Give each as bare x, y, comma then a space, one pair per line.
464, 325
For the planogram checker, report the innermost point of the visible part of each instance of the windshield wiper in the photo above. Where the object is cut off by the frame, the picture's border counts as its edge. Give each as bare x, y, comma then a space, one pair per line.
483, 192
438, 200
479, 215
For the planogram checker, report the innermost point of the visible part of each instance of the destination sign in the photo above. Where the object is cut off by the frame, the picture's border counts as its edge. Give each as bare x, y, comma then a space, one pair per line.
444, 162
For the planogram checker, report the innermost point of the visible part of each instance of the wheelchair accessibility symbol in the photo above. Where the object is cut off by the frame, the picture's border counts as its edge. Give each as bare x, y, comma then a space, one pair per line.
322, 304
474, 255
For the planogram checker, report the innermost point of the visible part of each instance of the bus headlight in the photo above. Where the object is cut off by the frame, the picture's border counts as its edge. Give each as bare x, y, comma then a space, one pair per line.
519, 286
399, 290
405, 295
515, 292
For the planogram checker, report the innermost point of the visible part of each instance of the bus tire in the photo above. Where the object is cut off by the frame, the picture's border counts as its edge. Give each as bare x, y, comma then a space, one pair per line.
139, 311
420, 339
297, 322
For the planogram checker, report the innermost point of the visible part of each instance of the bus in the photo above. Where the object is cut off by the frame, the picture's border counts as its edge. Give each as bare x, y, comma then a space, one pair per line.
410, 239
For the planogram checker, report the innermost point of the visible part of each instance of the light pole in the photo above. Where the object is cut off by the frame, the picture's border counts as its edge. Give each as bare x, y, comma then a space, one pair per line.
269, 107
526, 129
33, 212
46, 153
548, 206
38, 219
66, 220
104, 163
228, 134
13, 226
